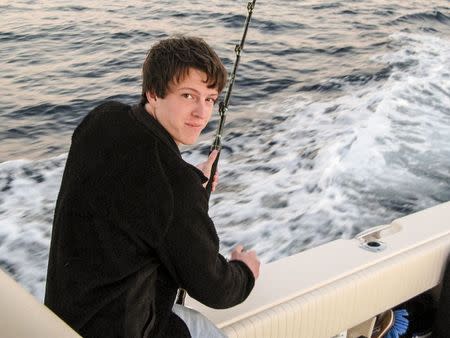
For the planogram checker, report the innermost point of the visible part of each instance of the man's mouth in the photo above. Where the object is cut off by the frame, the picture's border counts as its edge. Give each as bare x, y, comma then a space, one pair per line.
194, 125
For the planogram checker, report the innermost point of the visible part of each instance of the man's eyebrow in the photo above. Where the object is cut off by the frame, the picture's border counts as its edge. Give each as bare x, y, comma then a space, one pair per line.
196, 91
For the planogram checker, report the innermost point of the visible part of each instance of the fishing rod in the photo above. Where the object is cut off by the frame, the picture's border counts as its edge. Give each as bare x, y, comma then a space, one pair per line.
223, 108
223, 105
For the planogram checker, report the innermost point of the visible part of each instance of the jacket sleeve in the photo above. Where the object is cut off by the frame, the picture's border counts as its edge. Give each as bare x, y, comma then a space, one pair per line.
191, 248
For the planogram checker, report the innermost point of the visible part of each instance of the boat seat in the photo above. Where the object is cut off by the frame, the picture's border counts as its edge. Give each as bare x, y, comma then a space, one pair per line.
23, 316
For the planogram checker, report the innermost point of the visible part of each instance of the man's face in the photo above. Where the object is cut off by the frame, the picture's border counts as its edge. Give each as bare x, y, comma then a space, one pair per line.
187, 107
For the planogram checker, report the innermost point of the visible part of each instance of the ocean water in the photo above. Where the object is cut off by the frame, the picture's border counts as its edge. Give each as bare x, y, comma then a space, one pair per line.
339, 119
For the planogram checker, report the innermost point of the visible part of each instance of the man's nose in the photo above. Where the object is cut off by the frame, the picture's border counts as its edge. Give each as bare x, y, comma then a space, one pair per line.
202, 110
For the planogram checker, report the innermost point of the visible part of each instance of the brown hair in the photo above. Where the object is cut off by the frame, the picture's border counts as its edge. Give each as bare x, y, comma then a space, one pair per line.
170, 59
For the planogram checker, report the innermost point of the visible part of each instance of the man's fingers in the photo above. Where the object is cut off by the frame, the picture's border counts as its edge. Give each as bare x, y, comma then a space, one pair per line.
239, 248
249, 258
212, 157
215, 182
252, 253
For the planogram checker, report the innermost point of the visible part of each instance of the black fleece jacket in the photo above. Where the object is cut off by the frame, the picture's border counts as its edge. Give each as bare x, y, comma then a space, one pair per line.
131, 226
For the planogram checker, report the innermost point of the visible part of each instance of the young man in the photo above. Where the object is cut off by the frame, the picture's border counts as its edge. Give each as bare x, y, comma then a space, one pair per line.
131, 222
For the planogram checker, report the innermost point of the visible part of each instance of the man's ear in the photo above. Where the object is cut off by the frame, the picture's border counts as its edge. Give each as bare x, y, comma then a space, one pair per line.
151, 97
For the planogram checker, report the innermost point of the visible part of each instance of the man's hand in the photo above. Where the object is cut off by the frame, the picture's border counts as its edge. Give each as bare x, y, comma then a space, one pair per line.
248, 257
206, 166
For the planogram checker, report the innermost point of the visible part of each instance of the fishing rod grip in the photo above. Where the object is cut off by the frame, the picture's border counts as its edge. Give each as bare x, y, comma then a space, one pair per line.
211, 175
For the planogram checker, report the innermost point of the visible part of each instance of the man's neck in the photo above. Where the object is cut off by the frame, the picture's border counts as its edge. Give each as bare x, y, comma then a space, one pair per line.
152, 113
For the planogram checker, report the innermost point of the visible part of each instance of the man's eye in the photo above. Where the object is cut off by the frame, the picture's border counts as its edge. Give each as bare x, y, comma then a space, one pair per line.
187, 96
211, 100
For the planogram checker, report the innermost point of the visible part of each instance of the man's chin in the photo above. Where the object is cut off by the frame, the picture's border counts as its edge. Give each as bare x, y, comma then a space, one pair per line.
189, 141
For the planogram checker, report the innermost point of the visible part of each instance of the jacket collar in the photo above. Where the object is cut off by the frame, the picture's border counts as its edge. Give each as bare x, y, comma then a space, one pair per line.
155, 127
158, 130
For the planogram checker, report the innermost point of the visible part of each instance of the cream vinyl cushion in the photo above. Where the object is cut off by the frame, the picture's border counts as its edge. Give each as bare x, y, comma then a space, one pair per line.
23, 316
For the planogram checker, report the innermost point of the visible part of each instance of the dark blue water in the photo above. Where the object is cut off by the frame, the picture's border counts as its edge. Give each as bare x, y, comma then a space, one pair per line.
339, 119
